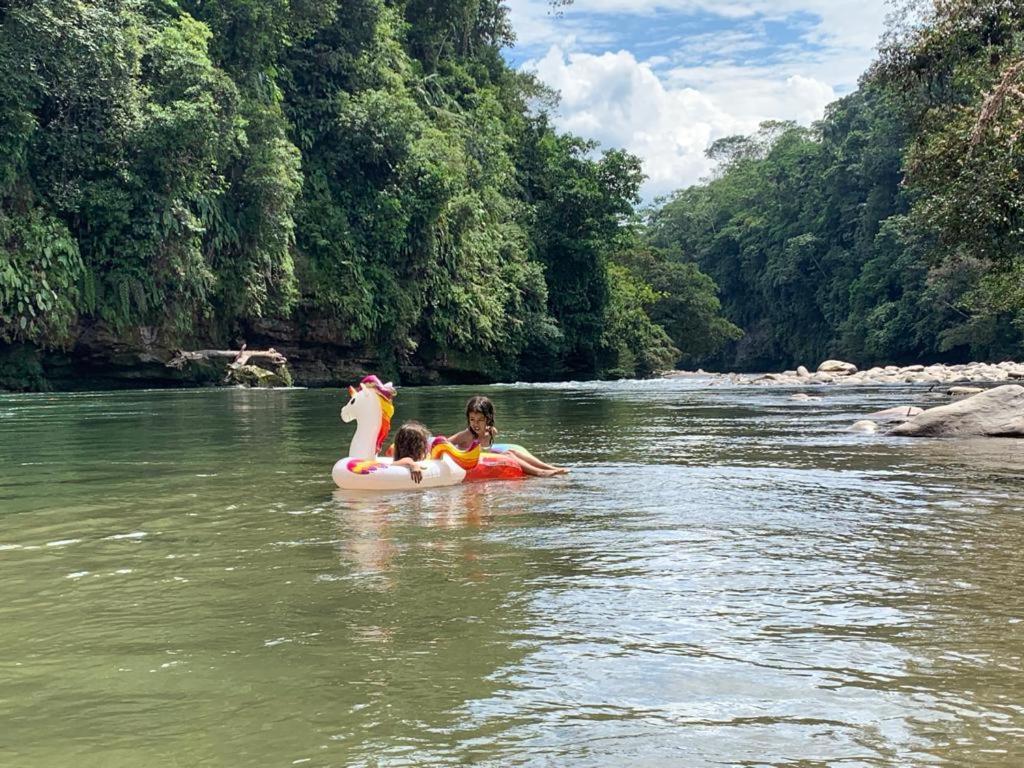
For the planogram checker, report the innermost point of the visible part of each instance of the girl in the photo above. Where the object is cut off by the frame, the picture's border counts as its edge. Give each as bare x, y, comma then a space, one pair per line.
412, 443
480, 427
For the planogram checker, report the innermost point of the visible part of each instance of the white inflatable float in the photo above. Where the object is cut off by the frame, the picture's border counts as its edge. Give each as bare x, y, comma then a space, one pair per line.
371, 407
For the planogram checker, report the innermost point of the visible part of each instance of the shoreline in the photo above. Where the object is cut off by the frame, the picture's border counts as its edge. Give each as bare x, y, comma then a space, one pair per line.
841, 373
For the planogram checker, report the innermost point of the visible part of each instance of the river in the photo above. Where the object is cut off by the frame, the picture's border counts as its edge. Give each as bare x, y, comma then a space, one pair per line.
725, 578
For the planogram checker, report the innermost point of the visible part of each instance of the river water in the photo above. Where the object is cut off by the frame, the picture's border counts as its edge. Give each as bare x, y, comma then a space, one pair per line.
726, 578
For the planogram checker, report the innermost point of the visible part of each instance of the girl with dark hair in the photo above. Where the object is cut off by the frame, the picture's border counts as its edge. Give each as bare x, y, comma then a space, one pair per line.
412, 443
480, 428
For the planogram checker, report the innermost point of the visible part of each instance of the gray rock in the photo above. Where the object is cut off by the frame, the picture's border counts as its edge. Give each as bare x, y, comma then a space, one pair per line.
900, 413
997, 412
838, 367
802, 372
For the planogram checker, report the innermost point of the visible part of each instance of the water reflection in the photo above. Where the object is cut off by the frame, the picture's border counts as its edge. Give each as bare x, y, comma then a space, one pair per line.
445, 603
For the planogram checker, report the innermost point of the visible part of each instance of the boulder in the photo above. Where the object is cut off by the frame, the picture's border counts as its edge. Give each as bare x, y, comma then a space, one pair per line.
865, 426
254, 376
901, 413
802, 372
997, 412
776, 378
838, 367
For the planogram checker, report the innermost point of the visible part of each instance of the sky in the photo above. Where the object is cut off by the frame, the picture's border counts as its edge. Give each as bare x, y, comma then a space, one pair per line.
665, 78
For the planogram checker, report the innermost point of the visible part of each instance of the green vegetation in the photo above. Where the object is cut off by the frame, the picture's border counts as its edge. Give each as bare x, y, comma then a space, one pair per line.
892, 230
371, 167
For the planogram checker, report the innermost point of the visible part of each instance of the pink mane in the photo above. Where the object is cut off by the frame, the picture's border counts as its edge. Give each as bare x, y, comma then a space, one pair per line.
383, 389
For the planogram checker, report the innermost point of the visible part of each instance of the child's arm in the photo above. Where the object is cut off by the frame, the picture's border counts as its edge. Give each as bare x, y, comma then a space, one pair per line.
415, 469
462, 440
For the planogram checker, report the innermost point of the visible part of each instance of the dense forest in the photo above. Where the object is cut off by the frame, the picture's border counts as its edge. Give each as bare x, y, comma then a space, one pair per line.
368, 178
889, 232
367, 183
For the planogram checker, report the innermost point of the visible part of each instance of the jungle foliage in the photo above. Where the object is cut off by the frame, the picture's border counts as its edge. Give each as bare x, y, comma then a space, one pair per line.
372, 165
376, 169
892, 230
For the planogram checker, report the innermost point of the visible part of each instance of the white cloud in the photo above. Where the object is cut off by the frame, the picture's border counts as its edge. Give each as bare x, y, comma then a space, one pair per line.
621, 102
668, 96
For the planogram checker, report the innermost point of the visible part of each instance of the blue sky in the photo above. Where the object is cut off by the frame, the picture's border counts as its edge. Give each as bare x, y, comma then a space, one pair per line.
664, 78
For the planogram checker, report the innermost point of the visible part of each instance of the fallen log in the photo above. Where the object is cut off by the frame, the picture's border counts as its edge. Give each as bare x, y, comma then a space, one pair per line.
238, 357
235, 366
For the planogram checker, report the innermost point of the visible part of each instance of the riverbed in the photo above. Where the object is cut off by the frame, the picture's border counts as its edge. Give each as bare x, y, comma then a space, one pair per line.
727, 577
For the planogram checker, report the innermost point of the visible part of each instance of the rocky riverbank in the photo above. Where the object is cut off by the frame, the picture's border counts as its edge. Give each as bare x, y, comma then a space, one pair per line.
841, 373
987, 398
316, 351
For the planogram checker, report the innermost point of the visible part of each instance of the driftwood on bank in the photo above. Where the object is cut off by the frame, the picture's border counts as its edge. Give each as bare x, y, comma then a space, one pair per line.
238, 357
237, 366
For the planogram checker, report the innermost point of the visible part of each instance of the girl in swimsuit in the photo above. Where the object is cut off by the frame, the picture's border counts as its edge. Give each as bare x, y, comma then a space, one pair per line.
480, 428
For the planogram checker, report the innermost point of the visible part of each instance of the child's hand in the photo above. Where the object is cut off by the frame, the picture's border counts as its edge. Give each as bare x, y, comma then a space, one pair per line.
417, 473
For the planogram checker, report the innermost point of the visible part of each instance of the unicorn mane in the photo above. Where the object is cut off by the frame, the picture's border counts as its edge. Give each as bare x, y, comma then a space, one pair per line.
441, 446
387, 410
386, 393
384, 390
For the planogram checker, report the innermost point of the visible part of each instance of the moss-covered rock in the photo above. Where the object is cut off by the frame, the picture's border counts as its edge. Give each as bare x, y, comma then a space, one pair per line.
254, 376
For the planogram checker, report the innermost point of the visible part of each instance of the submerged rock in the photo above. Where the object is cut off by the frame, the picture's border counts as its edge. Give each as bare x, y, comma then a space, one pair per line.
865, 426
997, 412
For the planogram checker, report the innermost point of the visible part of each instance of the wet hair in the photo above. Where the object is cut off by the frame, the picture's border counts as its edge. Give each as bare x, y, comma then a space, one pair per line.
412, 441
483, 406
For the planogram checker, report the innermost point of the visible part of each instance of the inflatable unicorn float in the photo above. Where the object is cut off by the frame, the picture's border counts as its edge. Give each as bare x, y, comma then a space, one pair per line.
371, 407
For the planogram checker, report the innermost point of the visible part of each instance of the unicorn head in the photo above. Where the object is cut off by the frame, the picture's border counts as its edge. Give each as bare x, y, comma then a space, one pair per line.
371, 406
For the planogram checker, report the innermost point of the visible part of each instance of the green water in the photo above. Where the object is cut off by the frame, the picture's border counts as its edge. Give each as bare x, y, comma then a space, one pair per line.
726, 578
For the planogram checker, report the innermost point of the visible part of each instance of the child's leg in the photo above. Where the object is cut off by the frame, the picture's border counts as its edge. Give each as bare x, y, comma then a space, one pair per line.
530, 469
527, 459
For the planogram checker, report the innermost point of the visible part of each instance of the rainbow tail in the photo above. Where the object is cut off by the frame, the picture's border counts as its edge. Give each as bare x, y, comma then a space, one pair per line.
465, 459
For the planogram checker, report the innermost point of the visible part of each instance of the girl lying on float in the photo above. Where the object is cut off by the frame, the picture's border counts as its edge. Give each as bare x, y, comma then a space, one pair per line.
417, 460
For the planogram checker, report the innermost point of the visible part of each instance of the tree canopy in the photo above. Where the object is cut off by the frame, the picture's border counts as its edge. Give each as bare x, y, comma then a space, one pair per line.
370, 167
891, 230
374, 170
